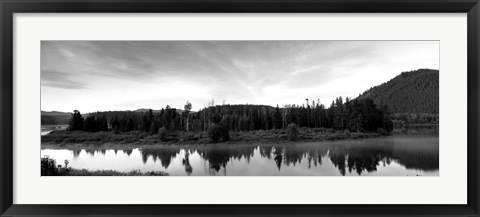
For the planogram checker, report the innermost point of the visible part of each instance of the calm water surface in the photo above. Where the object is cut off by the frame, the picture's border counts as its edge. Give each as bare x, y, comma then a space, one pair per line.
386, 156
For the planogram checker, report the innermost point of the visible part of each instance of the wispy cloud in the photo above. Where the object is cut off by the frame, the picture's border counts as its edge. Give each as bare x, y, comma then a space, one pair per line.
157, 73
57, 79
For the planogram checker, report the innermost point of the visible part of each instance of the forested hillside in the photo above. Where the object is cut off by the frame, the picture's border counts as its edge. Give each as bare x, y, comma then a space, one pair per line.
410, 92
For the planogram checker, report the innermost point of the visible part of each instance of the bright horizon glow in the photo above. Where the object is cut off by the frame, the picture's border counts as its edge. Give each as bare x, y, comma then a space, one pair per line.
94, 76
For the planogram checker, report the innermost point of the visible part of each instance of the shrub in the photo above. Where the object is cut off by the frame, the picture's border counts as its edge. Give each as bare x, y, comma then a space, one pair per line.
346, 132
225, 134
292, 132
382, 131
388, 124
215, 132
49, 167
162, 134
188, 136
116, 131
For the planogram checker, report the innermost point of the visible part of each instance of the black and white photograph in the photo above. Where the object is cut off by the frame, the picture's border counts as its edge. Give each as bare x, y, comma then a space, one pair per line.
239, 108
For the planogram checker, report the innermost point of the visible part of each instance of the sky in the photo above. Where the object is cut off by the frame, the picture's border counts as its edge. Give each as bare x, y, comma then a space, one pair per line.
126, 75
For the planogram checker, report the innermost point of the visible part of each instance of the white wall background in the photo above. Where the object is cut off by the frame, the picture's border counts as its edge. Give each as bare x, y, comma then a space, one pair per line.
449, 188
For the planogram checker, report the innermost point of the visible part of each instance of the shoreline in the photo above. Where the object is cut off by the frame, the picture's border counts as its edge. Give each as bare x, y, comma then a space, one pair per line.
129, 140
232, 142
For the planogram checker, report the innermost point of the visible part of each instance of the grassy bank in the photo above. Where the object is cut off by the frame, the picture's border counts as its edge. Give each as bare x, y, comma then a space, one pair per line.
49, 167
417, 129
63, 137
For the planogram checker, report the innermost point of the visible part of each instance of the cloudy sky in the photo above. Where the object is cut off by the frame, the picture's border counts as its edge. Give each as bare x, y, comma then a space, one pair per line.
127, 75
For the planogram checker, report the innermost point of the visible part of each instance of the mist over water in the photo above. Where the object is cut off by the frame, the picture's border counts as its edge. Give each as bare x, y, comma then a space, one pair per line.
386, 156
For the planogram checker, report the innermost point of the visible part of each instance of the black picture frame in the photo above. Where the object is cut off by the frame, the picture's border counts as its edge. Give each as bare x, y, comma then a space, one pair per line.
9, 7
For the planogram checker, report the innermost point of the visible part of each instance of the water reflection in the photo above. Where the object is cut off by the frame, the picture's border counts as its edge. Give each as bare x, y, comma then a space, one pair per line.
186, 163
381, 156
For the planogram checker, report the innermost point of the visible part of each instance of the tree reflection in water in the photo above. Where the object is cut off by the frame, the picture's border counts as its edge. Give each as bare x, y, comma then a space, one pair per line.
76, 153
278, 157
186, 163
165, 155
128, 151
219, 156
353, 157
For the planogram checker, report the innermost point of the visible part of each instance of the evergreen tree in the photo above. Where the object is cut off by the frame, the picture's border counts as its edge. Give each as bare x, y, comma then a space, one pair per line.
277, 119
76, 122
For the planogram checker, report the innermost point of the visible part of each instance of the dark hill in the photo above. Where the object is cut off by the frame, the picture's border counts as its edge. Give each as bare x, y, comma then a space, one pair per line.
410, 92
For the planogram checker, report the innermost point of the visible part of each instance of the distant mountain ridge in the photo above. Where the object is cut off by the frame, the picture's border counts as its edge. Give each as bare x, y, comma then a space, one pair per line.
180, 111
62, 118
55, 113
145, 110
55, 118
59, 113
410, 92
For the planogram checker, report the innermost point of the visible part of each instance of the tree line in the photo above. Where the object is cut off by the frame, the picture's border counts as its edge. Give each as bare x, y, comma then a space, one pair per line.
358, 115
